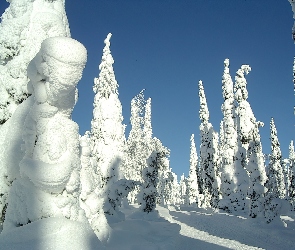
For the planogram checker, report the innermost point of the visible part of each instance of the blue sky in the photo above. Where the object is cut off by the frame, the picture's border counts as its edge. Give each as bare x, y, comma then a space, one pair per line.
166, 47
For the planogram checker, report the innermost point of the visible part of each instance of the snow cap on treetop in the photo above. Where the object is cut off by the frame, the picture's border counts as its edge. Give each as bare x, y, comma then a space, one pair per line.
108, 38
203, 112
65, 49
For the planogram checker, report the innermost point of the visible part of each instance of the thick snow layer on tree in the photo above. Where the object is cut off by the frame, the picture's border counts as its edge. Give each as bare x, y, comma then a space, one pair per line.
49, 181
208, 155
91, 199
11, 153
108, 139
25, 24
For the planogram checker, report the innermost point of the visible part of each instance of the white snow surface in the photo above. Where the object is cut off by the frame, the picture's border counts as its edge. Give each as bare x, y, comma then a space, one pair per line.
189, 228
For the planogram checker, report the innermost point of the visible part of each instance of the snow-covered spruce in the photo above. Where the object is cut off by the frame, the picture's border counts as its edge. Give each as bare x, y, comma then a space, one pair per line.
292, 2
107, 130
257, 174
164, 186
291, 186
249, 155
24, 25
148, 193
140, 143
49, 182
184, 190
193, 176
276, 180
294, 75
276, 183
245, 125
208, 155
228, 141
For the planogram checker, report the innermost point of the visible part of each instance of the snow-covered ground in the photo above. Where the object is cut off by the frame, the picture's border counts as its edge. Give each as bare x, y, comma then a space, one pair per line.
188, 228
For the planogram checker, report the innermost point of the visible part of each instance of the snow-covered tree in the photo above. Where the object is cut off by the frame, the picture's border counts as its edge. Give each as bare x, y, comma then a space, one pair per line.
173, 194
49, 181
107, 130
91, 199
228, 134
165, 182
256, 170
291, 187
292, 2
135, 142
245, 126
184, 190
140, 143
294, 69
193, 176
148, 193
24, 25
169, 190
276, 183
208, 155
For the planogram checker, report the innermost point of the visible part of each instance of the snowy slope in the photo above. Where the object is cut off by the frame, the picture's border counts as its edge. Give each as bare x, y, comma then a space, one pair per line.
190, 228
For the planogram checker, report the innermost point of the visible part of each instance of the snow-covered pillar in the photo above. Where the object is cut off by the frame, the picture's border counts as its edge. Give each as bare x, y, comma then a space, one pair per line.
24, 26
49, 182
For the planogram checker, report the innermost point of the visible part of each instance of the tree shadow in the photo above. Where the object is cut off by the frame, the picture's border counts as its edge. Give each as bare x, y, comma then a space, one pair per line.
237, 228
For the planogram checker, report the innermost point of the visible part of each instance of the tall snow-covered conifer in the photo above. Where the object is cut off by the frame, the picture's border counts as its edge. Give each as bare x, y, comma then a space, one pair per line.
107, 130
292, 2
276, 183
193, 176
135, 142
229, 185
256, 170
245, 126
208, 155
150, 175
291, 188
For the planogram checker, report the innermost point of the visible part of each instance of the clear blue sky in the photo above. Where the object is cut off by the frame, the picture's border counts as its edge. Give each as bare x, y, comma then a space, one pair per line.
167, 46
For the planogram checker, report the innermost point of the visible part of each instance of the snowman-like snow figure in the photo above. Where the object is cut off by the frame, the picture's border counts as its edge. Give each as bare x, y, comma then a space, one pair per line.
49, 183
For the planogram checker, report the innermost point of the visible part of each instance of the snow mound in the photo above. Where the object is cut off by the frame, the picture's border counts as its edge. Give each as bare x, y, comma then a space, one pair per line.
51, 233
